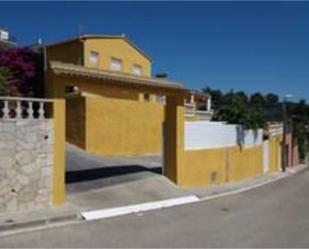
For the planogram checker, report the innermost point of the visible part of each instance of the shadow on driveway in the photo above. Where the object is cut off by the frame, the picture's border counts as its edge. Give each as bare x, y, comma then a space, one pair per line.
85, 175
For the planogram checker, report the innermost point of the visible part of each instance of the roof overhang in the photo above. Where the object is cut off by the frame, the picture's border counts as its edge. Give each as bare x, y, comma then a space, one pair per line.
117, 78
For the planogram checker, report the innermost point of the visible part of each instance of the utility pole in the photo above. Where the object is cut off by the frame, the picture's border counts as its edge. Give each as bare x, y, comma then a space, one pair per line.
283, 154
285, 129
81, 29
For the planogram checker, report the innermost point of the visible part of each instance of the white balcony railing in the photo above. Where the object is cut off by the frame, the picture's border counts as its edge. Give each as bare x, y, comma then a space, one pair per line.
191, 111
25, 108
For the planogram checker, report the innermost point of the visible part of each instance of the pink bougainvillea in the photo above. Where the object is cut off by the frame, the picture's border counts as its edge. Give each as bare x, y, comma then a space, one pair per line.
21, 68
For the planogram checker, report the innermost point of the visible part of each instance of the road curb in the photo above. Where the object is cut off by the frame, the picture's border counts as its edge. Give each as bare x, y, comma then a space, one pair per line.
286, 174
20, 227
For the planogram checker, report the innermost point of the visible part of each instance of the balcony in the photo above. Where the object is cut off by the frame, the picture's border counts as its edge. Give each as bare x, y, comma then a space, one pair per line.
191, 112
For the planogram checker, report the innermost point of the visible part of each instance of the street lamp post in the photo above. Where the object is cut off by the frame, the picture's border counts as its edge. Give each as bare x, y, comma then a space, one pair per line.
284, 113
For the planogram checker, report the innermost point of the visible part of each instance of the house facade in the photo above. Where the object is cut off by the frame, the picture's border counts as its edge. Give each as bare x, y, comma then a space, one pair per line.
113, 54
114, 106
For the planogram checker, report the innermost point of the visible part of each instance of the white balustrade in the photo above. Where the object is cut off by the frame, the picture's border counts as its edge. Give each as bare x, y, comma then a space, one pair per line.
30, 110
18, 110
6, 110
41, 110
23, 108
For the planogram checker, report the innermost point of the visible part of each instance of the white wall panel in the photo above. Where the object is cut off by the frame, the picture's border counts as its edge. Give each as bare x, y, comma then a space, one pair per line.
265, 156
206, 134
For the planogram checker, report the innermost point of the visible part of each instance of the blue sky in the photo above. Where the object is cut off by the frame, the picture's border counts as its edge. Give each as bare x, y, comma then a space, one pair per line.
250, 46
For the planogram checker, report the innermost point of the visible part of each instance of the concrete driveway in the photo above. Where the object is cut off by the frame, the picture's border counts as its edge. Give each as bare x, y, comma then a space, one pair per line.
103, 182
86, 172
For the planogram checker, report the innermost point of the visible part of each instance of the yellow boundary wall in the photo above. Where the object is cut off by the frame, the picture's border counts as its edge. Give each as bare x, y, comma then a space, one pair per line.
204, 167
215, 166
275, 153
115, 127
123, 127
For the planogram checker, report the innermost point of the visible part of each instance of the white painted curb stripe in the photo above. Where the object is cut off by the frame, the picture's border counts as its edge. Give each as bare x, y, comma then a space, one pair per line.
112, 212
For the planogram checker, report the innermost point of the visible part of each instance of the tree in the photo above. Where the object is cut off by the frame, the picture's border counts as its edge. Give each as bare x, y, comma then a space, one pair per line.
257, 99
4, 90
300, 123
21, 70
243, 96
271, 98
235, 109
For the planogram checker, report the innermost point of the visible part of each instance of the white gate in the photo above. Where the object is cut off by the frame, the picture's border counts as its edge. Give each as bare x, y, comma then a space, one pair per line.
265, 156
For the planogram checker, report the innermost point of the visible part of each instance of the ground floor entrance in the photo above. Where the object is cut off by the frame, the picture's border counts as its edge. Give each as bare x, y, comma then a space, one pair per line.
112, 125
86, 171
98, 182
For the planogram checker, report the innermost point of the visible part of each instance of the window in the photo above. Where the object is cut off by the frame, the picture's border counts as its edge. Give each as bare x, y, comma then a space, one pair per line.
94, 58
137, 70
160, 99
116, 64
147, 97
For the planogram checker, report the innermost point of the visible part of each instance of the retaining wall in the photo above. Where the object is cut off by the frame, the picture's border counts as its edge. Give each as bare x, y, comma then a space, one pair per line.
26, 164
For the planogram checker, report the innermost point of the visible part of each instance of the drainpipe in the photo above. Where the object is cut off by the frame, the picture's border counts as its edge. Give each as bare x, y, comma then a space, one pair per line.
283, 154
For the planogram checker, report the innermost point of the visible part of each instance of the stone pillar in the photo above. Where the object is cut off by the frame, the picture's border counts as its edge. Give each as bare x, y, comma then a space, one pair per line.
174, 139
59, 156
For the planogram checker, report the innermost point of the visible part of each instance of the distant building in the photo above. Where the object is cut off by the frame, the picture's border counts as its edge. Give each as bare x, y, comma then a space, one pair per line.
6, 40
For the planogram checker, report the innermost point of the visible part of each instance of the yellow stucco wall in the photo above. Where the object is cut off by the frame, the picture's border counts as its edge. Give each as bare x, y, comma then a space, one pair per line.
107, 90
274, 153
200, 164
147, 116
245, 162
77, 52
55, 87
214, 166
174, 160
117, 48
76, 121
59, 194
123, 127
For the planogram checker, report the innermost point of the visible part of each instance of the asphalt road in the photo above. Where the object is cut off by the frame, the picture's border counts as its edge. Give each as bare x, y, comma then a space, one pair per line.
275, 215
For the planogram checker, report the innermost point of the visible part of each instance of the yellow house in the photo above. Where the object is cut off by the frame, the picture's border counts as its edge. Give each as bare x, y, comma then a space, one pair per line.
106, 52
112, 107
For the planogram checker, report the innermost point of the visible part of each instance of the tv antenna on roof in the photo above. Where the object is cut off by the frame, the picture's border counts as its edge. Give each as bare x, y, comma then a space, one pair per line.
81, 29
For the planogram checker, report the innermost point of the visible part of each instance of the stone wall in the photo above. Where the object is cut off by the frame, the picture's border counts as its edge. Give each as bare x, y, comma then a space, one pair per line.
26, 164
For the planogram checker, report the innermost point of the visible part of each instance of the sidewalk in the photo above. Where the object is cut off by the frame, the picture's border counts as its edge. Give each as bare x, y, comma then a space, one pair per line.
13, 222
142, 192
237, 187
